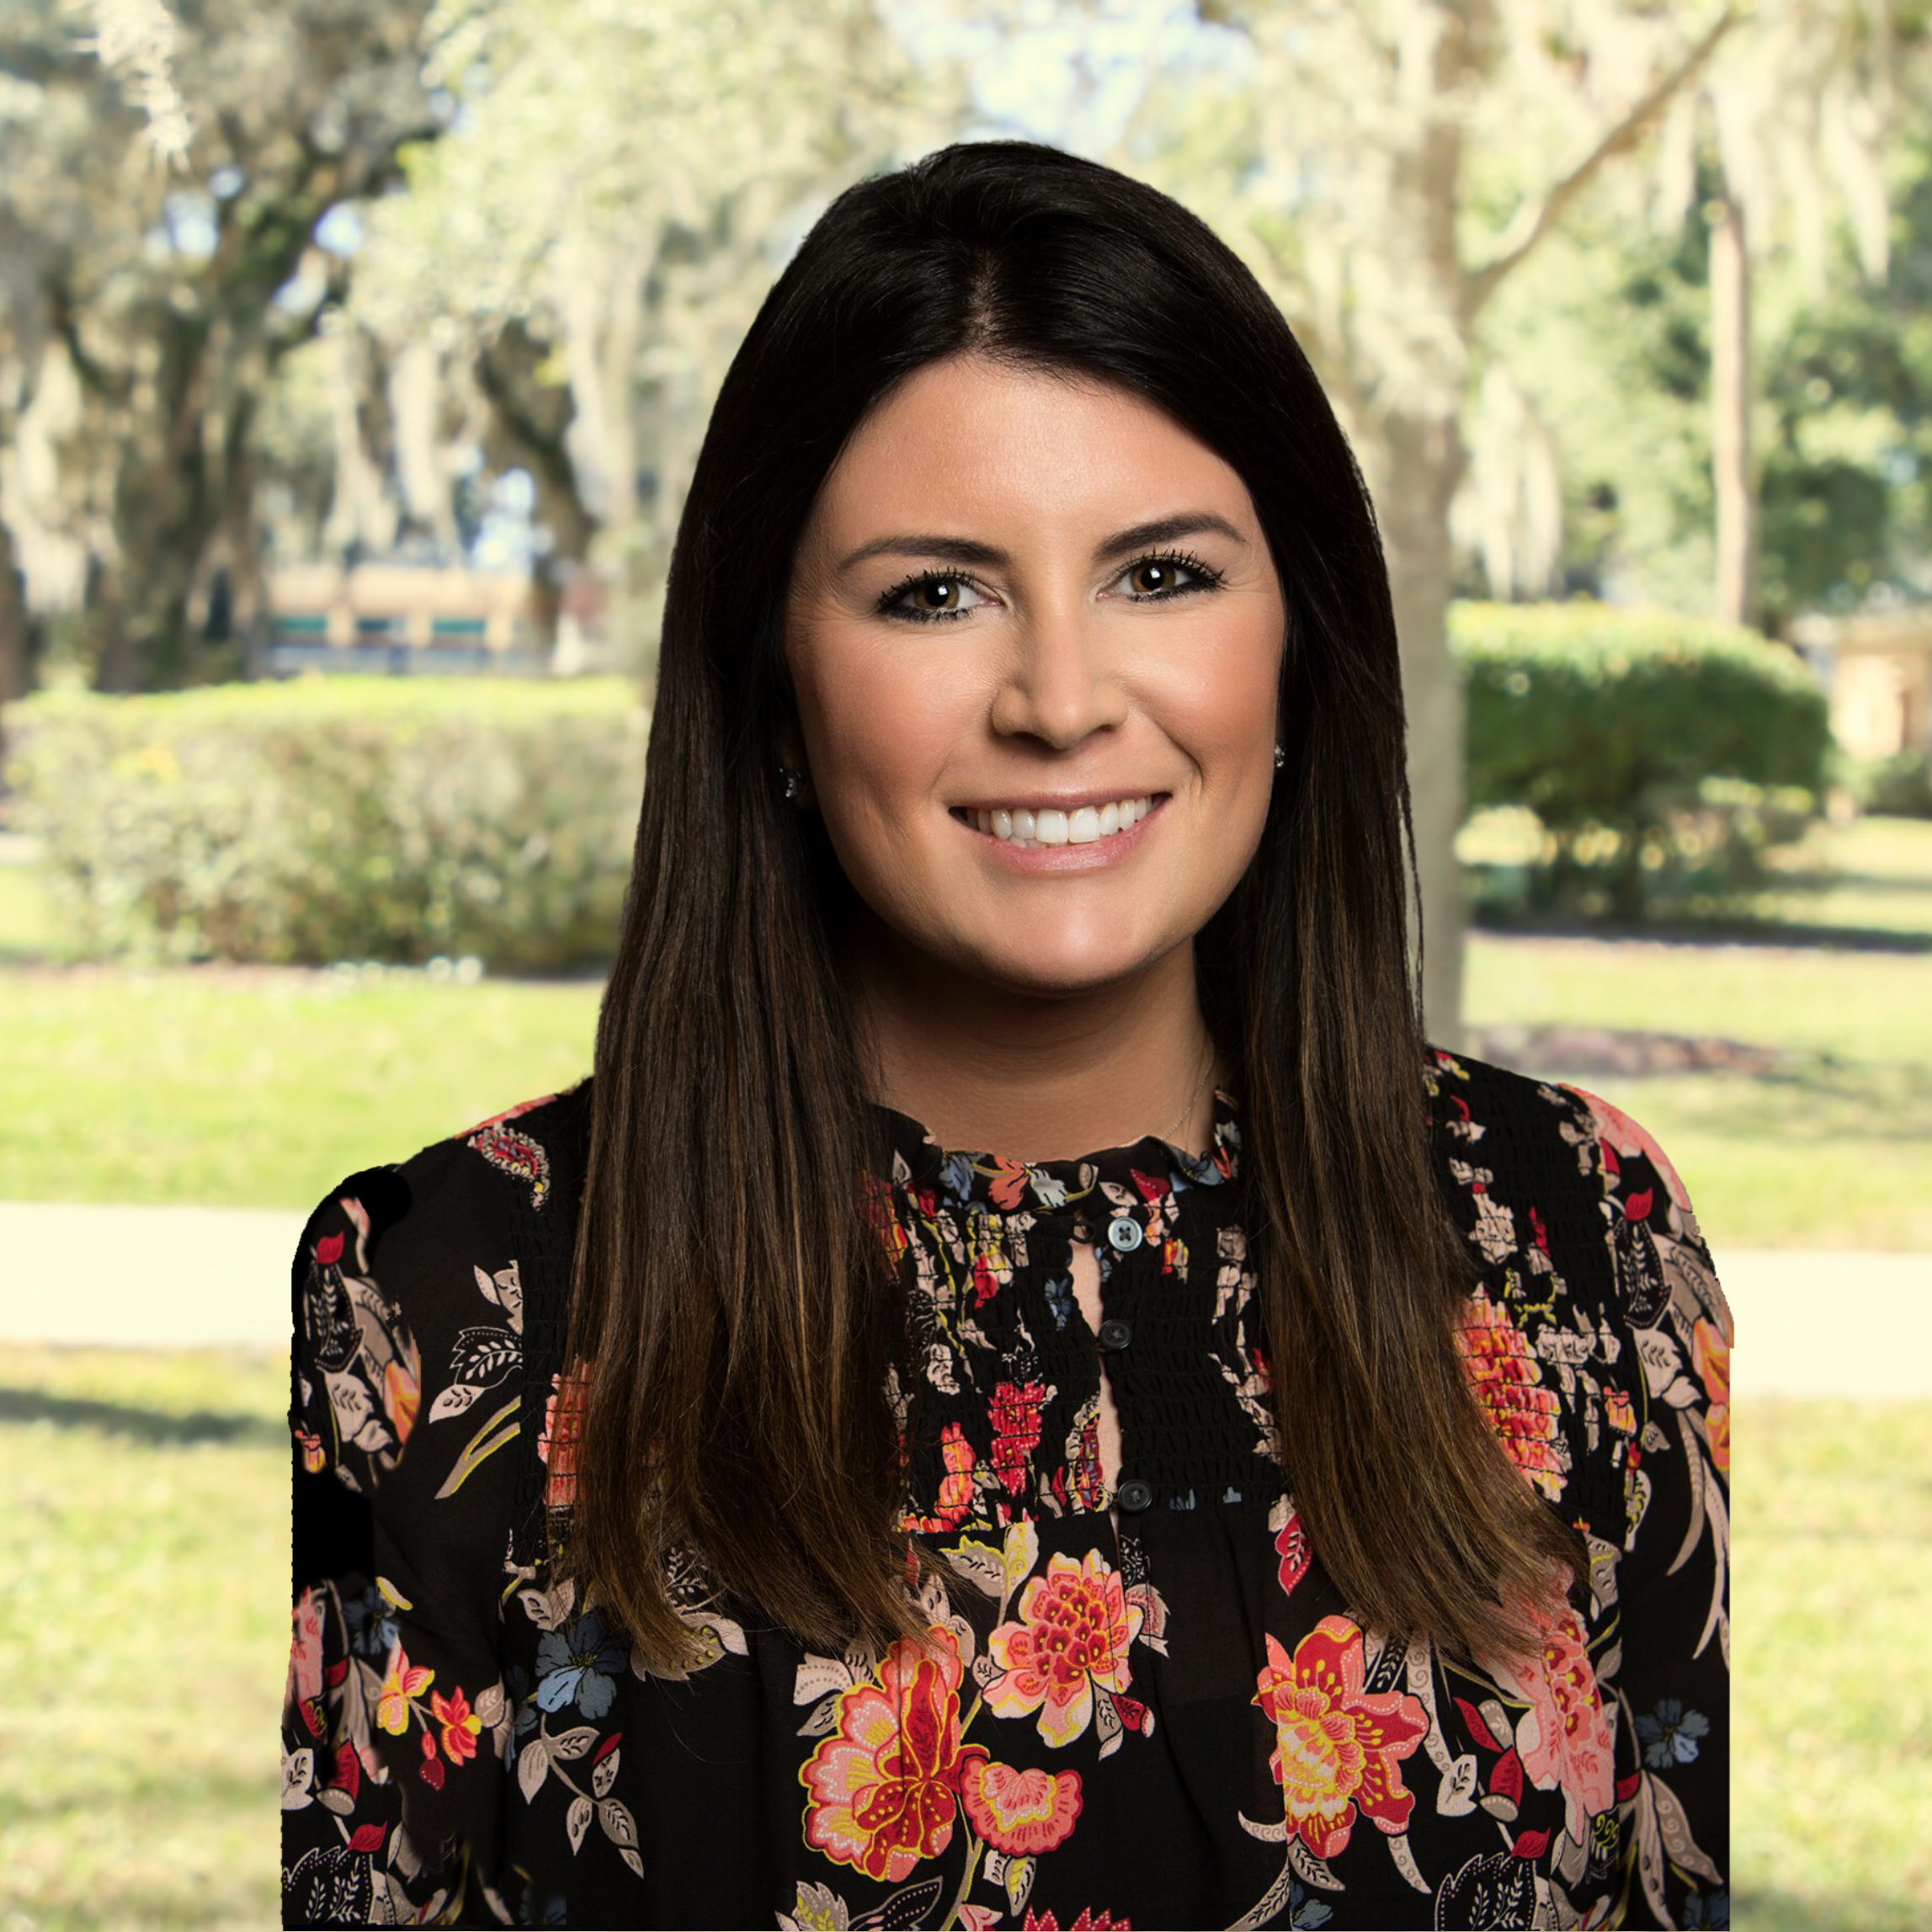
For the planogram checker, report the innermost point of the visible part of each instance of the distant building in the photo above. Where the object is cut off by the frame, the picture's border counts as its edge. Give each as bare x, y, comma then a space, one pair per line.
401, 620
1876, 668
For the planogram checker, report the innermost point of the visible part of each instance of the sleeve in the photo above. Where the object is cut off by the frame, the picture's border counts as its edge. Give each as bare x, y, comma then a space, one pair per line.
1673, 1412
393, 1718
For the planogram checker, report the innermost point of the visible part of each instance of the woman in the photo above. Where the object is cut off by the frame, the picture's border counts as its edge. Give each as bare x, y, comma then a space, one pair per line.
792, 1478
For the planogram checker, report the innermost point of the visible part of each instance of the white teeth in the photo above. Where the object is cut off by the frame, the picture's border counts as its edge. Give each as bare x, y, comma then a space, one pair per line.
1020, 826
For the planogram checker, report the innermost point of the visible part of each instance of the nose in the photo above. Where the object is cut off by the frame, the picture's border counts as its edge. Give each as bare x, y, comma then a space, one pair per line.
1058, 685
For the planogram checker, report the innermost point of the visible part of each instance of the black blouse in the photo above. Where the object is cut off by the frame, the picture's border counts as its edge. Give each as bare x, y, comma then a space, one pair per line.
1185, 1724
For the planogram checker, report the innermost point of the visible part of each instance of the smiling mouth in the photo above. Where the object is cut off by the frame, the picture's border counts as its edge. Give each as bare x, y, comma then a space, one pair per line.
1088, 825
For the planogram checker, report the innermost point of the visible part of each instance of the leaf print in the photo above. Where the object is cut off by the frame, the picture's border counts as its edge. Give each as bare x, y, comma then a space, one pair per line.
1456, 1795
824, 1717
980, 1564
484, 1355
499, 1429
506, 1289
577, 1820
533, 1762
453, 1401
614, 1818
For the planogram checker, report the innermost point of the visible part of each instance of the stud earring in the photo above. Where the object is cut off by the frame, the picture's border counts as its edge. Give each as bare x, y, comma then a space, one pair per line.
1281, 755
791, 778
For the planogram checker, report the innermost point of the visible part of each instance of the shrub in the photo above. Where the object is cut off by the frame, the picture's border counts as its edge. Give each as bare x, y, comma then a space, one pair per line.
1900, 785
1661, 755
333, 818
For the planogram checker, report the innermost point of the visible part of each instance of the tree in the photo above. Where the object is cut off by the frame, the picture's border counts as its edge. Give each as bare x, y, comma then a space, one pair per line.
145, 312
598, 227
1387, 167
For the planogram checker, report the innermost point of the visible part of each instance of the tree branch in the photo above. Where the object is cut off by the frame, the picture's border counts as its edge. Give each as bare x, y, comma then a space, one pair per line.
1536, 219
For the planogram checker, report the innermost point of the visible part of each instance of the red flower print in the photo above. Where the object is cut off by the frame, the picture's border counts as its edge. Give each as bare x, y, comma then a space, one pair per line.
1291, 1545
314, 1456
557, 1442
1046, 1922
328, 1250
883, 1789
955, 1486
1336, 1747
882, 1216
1075, 1626
460, 1725
1507, 1379
1711, 1354
402, 1392
1563, 1738
1617, 1133
1019, 1812
402, 1681
1016, 1415
304, 1651
432, 1765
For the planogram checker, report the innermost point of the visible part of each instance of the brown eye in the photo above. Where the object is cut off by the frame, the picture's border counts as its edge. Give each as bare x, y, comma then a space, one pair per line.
1151, 578
941, 594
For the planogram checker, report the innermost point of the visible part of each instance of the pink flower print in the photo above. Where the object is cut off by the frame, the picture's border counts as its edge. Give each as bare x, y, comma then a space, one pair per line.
1071, 1637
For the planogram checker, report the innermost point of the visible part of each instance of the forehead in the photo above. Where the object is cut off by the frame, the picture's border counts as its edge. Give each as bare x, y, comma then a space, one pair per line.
968, 436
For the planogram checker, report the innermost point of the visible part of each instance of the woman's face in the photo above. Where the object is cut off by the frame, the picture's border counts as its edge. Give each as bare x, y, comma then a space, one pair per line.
1017, 592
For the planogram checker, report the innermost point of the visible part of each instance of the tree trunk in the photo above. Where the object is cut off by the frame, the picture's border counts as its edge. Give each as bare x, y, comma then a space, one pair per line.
1419, 465
1731, 412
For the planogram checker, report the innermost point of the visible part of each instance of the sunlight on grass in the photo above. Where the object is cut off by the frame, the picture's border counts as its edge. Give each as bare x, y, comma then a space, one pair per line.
1833, 1150
262, 1088
1832, 1699
143, 1639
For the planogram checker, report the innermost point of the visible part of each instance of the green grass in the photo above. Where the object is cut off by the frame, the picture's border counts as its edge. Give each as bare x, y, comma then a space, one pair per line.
143, 1639
143, 1648
1834, 1150
260, 1087
1832, 1695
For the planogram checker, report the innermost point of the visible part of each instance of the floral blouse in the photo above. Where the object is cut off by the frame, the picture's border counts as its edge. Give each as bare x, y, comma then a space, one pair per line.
1181, 1724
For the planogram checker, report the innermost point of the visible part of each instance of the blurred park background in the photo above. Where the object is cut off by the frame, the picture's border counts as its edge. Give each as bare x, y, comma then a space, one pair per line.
354, 356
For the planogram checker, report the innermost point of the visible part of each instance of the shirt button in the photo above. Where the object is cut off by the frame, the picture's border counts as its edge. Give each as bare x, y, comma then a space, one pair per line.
1115, 1334
1124, 1233
1134, 1494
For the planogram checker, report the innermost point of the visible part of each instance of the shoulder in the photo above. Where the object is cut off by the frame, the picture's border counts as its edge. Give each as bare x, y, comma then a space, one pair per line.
414, 1283
1557, 1177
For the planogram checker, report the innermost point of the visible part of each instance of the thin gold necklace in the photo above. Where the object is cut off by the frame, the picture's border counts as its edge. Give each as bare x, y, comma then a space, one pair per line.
1170, 1136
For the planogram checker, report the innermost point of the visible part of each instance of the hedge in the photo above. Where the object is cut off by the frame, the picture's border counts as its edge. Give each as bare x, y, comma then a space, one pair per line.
1663, 755
350, 817
345, 817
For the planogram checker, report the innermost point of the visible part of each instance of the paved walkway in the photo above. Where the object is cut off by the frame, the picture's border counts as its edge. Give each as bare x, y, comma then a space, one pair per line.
190, 1277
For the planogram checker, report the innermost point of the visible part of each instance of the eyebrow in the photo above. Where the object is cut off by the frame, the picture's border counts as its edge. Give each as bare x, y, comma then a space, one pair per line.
970, 550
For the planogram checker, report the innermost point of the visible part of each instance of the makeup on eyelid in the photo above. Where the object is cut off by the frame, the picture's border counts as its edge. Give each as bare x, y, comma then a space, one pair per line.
1208, 578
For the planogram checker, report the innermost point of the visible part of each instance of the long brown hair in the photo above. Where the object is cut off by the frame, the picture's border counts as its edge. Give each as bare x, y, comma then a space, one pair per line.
733, 1308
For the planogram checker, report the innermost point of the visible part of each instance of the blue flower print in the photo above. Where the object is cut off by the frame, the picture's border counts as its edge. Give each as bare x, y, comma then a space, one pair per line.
956, 1176
1059, 1291
1669, 1734
1712, 1908
1304, 1913
578, 1668
372, 1631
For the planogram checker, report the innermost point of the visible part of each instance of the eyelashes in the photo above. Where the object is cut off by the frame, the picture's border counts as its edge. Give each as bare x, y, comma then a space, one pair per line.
1207, 579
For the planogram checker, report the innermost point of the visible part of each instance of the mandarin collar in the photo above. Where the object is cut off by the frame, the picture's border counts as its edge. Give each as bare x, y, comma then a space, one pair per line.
1144, 1170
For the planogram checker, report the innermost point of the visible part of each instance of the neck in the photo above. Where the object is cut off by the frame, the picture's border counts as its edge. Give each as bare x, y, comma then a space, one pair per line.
1028, 1072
